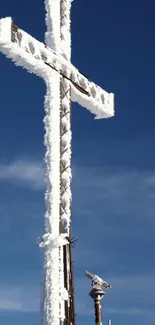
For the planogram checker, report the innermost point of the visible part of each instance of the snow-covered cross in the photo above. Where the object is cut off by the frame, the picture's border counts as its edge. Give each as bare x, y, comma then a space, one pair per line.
64, 83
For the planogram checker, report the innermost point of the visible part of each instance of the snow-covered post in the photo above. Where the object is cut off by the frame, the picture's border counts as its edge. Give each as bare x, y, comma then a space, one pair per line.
65, 119
52, 199
53, 261
65, 149
58, 37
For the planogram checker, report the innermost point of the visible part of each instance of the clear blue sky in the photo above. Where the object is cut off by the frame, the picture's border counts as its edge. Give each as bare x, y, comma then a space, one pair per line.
113, 162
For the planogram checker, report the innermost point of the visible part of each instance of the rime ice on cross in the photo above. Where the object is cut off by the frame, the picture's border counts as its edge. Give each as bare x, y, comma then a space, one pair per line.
64, 83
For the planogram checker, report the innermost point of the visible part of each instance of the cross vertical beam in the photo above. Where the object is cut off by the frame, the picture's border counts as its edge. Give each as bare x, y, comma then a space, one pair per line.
61, 43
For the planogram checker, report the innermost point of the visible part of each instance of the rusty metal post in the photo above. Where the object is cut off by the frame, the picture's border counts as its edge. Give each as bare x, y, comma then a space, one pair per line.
97, 295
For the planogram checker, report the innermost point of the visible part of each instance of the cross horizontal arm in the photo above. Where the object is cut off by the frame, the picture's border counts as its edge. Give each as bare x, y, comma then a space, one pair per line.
33, 55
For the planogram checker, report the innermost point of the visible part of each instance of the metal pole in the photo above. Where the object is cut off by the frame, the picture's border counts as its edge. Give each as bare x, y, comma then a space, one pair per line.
109, 322
97, 295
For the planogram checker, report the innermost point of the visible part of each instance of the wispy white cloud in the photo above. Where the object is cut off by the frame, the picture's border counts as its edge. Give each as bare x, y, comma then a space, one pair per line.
29, 173
100, 182
19, 298
115, 191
